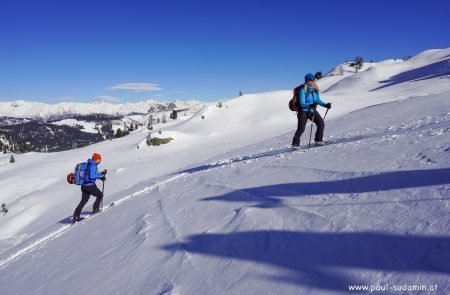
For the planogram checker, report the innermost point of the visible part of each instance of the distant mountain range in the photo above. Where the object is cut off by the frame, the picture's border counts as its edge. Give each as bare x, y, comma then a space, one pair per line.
44, 112
32, 126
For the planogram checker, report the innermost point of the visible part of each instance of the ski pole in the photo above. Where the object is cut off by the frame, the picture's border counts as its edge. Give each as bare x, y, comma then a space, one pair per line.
310, 134
103, 195
325, 114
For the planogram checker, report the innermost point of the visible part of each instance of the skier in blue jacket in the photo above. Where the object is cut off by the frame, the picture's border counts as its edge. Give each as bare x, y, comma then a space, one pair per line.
90, 188
308, 99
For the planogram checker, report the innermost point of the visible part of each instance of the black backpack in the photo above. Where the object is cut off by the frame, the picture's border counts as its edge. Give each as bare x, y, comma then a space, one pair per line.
293, 102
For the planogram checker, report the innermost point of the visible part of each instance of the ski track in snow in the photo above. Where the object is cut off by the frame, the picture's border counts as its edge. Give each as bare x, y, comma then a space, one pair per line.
431, 126
59, 229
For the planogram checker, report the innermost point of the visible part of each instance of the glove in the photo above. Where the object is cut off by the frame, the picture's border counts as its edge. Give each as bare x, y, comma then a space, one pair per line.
103, 178
313, 105
104, 172
328, 105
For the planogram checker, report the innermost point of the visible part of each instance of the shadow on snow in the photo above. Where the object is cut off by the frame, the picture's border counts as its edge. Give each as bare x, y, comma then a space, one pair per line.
435, 70
68, 220
319, 259
271, 195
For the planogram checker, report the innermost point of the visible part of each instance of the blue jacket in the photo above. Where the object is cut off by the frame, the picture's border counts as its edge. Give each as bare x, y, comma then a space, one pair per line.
93, 173
306, 100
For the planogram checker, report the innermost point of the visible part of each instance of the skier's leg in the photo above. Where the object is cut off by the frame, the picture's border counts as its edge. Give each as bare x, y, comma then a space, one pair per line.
320, 127
84, 199
302, 119
95, 191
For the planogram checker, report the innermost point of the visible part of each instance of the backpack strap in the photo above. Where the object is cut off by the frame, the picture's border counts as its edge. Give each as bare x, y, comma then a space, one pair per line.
87, 176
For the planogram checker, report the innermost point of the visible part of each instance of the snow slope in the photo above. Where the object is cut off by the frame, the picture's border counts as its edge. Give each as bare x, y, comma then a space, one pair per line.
226, 208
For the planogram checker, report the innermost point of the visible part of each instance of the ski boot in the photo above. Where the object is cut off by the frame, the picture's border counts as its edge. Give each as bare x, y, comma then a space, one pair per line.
76, 219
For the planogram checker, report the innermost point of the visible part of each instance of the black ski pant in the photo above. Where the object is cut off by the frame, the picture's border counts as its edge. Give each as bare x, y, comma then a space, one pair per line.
86, 192
302, 118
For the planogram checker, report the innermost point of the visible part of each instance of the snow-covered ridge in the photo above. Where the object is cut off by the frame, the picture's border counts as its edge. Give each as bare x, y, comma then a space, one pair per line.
29, 109
392, 72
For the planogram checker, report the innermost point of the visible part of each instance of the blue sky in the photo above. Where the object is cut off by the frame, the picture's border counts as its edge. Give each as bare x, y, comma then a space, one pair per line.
127, 51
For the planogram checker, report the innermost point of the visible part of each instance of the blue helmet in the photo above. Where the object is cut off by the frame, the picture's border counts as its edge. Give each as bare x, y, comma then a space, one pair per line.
309, 77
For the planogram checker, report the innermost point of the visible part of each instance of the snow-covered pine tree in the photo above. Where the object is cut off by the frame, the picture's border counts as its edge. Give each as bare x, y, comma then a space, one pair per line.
118, 133
173, 115
359, 61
